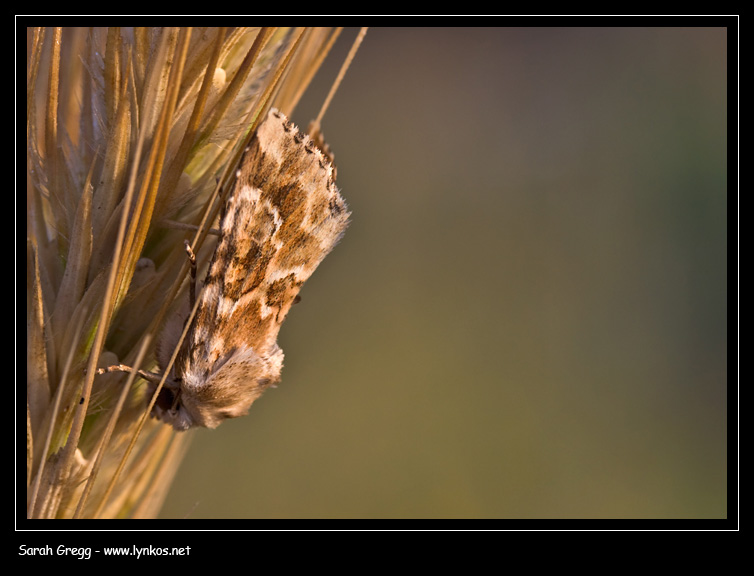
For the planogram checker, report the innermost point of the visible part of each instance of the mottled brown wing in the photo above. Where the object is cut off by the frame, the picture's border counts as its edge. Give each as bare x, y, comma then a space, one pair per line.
283, 216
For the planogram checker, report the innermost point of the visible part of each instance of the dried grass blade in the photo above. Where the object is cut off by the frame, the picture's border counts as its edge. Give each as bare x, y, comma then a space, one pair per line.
37, 354
51, 132
105, 439
336, 84
37, 42
29, 447
73, 283
236, 83
113, 65
115, 166
142, 213
51, 421
156, 490
306, 64
190, 135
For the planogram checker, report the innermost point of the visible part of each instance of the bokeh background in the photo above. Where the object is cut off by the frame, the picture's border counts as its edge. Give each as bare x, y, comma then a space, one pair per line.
528, 315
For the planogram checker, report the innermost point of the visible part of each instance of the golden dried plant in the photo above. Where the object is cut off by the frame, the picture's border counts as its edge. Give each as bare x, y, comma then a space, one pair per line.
130, 135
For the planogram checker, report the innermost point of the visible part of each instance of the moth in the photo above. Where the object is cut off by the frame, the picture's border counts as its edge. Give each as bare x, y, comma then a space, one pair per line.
283, 215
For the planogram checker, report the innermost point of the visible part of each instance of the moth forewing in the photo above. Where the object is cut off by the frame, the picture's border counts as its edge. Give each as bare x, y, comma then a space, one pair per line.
282, 217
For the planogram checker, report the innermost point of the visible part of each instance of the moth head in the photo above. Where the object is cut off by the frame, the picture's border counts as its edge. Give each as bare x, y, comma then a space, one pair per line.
168, 407
226, 390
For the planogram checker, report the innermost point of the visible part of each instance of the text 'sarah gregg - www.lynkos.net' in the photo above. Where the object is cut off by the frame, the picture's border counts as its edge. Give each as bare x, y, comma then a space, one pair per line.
86, 552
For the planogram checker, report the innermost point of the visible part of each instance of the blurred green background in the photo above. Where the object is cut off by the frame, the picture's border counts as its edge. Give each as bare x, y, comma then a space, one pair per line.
528, 315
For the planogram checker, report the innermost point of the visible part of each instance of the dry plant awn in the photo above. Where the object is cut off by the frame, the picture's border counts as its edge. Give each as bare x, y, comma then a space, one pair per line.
128, 132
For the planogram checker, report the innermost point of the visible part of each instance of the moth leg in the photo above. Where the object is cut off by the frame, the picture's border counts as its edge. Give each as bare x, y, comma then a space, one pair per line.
192, 282
148, 376
176, 401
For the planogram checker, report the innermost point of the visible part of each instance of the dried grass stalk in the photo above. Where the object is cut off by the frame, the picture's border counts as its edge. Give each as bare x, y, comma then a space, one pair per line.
127, 129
